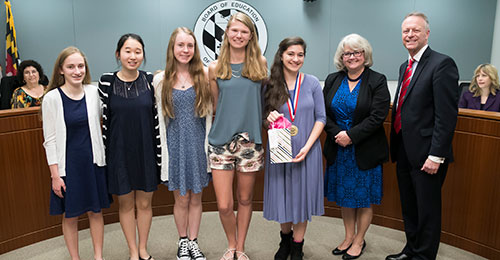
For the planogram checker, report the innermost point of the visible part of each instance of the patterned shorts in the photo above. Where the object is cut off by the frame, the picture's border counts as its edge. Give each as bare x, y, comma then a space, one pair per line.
239, 153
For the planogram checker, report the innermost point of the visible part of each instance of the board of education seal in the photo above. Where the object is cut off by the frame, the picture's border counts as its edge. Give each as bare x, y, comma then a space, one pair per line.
210, 26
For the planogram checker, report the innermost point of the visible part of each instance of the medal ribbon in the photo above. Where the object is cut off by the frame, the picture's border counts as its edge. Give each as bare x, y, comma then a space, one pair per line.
292, 102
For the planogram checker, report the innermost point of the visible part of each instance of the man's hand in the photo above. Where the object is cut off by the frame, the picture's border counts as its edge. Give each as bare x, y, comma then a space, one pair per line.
430, 167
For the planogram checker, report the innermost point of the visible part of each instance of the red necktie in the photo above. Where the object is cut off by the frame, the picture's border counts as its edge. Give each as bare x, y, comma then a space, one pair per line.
402, 93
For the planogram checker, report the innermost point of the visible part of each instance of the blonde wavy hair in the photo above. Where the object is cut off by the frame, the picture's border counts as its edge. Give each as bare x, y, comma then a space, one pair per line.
203, 100
57, 78
253, 68
492, 73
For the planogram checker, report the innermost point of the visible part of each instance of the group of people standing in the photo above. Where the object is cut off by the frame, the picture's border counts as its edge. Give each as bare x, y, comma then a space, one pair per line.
159, 129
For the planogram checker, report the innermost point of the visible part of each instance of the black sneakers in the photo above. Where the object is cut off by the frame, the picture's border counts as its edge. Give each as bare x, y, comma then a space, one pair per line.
183, 249
195, 250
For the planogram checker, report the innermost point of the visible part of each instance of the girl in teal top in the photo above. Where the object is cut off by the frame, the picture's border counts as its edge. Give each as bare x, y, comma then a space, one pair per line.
235, 143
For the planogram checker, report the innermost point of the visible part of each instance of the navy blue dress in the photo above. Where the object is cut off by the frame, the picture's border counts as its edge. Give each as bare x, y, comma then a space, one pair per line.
86, 188
345, 183
187, 165
131, 154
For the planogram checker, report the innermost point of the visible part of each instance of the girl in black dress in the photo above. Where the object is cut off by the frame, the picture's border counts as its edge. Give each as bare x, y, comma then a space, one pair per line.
132, 141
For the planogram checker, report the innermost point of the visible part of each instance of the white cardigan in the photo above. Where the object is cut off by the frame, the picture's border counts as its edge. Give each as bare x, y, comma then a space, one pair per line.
54, 127
163, 123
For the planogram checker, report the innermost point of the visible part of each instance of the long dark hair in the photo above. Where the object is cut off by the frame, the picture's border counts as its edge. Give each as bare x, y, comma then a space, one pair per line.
276, 94
122, 41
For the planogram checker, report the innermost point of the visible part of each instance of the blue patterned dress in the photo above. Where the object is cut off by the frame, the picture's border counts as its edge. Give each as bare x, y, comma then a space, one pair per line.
187, 162
345, 183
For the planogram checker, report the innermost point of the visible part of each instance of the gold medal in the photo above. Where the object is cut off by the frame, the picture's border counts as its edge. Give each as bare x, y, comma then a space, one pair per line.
294, 130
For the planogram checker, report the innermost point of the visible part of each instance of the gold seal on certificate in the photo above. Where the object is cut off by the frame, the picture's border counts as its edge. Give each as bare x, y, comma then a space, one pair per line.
294, 130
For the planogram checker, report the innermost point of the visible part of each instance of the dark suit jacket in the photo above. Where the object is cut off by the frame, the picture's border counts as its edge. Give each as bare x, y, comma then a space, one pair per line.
367, 133
469, 101
7, 87
429, 111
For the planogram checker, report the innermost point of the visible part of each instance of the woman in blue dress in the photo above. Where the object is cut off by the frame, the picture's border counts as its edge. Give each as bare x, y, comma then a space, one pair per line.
293, 192
132, 142
75, 151
185, 102
357, 102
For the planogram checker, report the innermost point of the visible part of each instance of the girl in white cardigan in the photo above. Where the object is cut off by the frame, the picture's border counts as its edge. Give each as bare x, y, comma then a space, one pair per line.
74, 147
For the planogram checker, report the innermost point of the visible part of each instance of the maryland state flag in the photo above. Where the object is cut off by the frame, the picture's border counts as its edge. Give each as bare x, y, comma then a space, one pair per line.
11, 54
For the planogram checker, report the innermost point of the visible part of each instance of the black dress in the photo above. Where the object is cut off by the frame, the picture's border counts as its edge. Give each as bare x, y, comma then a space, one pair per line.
131, 145
85, 182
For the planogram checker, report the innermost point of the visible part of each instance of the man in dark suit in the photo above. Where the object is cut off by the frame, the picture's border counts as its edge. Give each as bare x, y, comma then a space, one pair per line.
424, 116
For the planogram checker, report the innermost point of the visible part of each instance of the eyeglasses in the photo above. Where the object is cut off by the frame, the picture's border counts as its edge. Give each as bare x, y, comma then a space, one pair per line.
347, 55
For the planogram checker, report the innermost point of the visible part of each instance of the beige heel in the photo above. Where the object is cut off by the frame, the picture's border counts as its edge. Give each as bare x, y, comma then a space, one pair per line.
241, 256
228, 254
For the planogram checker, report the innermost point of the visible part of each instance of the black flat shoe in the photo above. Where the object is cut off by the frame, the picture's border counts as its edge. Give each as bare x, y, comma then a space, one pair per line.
337, 251
348, 256
149, 258
400, 256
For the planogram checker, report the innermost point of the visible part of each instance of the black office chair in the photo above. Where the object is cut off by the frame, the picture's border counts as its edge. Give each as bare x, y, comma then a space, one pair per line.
464, 86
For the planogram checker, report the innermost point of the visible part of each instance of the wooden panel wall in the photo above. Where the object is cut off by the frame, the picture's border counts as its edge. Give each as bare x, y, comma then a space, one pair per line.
471, 193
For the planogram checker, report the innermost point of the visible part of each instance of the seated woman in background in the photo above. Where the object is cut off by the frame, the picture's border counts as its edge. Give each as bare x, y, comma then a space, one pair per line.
482, 94
29, 94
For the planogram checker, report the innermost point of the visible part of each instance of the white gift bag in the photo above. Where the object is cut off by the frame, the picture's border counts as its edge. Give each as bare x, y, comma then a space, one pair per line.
280, 145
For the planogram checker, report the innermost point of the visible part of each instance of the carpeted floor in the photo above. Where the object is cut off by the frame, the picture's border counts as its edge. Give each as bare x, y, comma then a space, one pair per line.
323, 234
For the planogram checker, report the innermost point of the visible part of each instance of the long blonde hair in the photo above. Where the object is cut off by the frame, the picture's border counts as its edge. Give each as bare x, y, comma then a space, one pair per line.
492, 73
253, 68
57, 79
203, 101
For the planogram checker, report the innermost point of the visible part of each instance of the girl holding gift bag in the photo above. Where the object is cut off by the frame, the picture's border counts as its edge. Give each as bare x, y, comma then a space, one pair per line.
293, 192
184, 99
235, 142
73, 143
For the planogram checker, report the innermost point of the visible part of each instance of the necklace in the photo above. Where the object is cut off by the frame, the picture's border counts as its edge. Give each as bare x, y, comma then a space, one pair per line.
123, 78
356, 79
129, 85
183, 83
237, 72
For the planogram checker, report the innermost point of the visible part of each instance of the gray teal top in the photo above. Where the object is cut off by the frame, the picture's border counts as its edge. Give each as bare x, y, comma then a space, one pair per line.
239, 109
